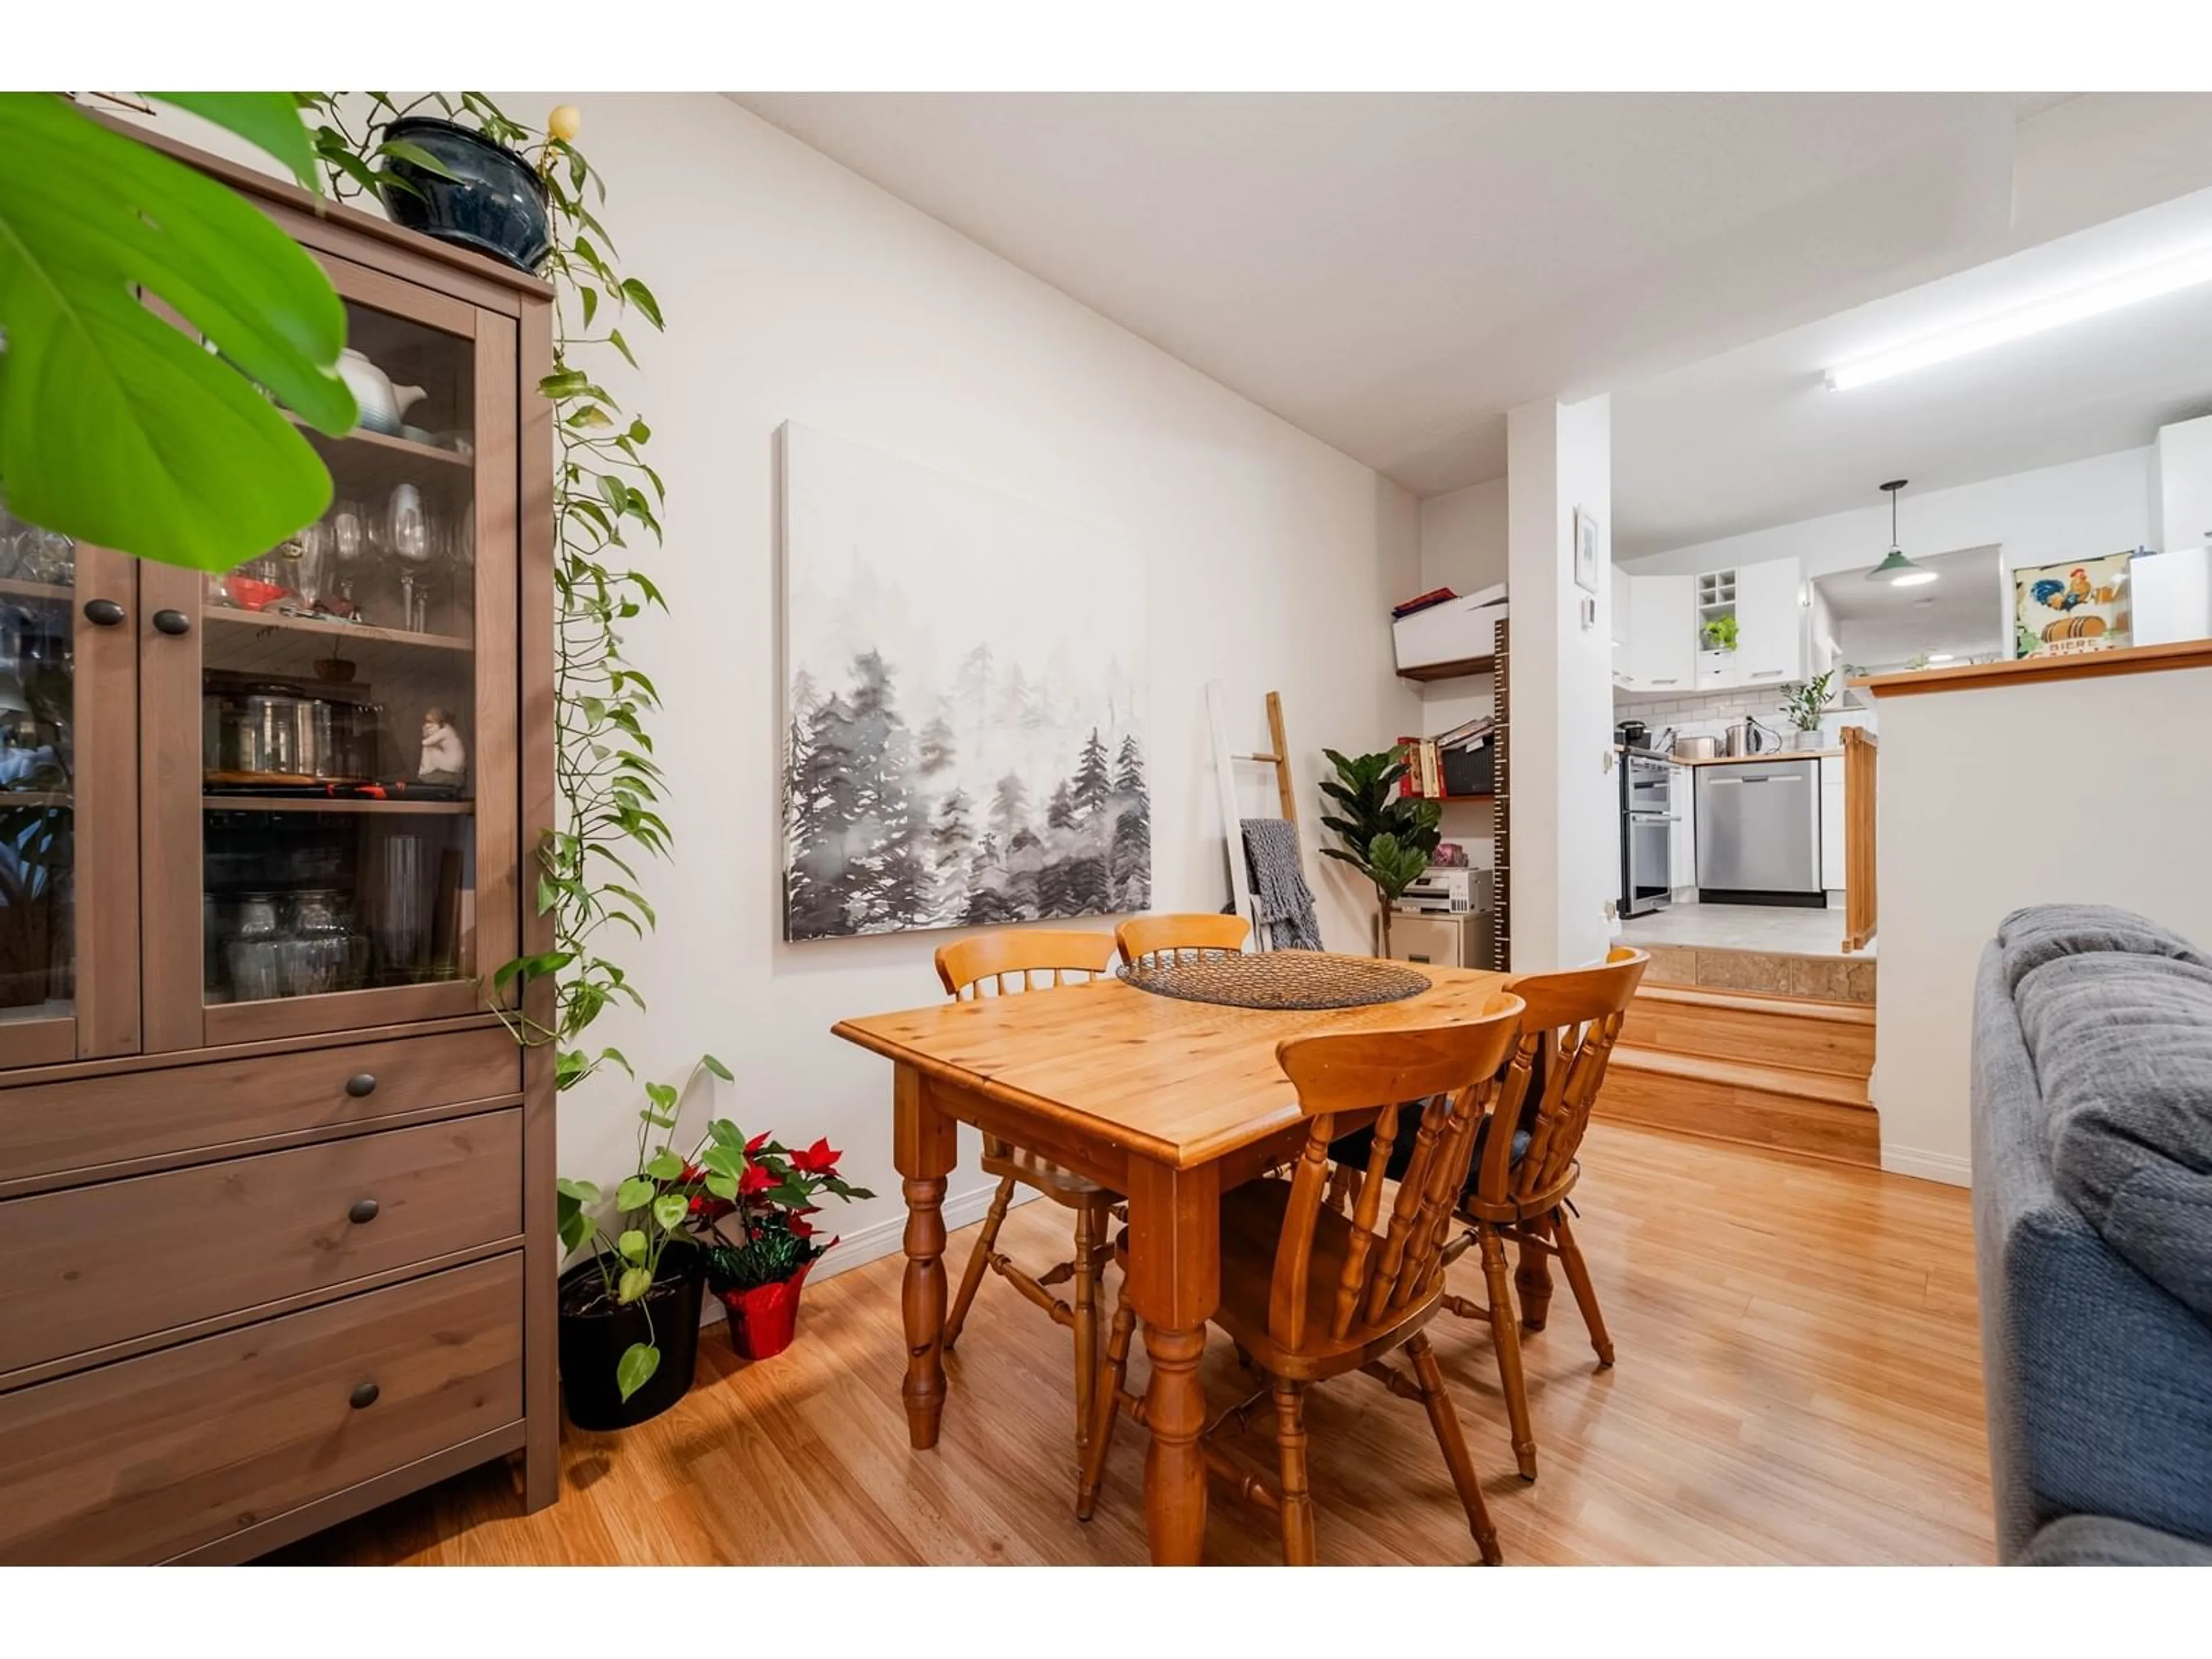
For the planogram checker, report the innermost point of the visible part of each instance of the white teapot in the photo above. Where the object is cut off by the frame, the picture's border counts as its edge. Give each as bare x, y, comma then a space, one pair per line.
383, 405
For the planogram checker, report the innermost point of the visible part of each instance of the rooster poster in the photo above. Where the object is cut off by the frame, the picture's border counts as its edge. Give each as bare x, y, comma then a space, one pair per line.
2062, 609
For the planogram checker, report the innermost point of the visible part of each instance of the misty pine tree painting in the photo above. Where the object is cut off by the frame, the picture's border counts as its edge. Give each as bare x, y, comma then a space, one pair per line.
963, 713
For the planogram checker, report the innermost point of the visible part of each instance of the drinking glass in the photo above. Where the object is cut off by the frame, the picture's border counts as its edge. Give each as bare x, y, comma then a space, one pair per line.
308, 555
407, 533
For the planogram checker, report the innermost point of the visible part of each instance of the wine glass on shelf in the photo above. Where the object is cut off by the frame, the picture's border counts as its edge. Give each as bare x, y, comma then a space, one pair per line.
308, 557
407, 533
350, 544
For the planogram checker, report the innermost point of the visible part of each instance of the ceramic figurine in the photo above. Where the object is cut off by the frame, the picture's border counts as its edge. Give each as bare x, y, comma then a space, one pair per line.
444, 760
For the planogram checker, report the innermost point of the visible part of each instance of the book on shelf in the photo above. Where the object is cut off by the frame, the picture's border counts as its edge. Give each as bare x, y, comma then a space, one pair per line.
1434, 596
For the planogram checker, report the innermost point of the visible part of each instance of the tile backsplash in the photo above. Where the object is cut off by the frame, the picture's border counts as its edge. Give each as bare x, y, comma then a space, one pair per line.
1706, 715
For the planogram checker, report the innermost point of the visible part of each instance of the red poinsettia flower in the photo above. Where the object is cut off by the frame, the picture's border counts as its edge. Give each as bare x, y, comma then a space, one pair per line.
756, 1142
755, 1179
819, 1159
801, 1226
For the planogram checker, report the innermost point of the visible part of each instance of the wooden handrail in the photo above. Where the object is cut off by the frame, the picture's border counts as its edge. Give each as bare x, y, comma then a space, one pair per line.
1859, 896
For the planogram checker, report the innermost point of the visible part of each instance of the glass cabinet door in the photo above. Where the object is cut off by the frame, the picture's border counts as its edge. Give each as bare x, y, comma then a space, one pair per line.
356, 705
68, 879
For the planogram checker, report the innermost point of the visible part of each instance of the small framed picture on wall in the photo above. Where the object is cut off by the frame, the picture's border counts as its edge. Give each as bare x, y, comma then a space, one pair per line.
1586, 537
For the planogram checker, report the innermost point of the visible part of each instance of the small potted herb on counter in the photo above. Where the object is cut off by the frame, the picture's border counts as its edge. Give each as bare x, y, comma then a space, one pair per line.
760, 1245
1804, 705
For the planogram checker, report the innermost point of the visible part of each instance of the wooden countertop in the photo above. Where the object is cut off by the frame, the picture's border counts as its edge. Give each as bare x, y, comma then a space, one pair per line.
1968, 677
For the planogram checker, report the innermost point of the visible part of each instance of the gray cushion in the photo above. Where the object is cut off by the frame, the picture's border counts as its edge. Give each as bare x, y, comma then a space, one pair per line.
2097, 1540
2121, 1047
2042, 932
2099, 1381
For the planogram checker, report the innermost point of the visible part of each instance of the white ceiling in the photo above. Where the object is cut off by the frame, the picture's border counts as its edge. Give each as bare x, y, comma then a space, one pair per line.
1963, 612
1392, 272
1753, 437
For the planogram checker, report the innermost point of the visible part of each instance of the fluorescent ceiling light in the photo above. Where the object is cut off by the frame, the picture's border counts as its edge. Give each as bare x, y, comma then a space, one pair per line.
2148, 283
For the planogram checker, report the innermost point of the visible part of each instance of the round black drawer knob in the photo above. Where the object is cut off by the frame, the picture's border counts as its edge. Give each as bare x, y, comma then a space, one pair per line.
364, 1210
364, 1396
171, 621
102, 613
361, 1083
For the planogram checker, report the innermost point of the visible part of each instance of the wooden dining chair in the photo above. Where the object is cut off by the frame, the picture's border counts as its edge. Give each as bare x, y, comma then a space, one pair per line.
1002, 965
1148, 938
1520, 1181
1310, 1291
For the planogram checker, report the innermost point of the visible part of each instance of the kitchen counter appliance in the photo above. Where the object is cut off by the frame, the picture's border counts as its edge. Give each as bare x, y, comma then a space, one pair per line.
1647, 834
1758, 833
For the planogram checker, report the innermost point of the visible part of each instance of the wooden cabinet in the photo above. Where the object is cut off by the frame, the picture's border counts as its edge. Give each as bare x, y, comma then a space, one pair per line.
1663, 633
261, 841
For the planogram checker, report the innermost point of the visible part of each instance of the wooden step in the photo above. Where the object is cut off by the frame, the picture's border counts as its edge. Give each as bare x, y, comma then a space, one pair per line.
1835, 1038
1816, 1114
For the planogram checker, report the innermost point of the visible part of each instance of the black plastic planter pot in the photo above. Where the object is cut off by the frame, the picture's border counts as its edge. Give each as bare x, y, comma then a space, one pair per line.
494, 203
593, 1342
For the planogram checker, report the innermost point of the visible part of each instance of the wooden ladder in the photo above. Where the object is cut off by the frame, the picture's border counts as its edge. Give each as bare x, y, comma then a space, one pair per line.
1233, 821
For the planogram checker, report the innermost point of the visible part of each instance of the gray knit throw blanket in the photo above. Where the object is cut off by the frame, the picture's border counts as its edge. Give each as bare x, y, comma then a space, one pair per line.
1285, 902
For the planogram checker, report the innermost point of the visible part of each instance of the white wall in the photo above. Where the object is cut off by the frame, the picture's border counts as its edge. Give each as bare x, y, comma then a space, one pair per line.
1566, 846
795, 291
2105, 504
2058, 791
1463, 537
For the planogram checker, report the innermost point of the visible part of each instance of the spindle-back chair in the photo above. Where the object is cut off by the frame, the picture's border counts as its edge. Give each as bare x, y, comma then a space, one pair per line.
1005, 964
1309, 1290
1150, 938
1530, 1163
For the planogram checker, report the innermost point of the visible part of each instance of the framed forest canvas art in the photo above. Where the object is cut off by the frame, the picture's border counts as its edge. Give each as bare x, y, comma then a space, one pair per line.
964, 703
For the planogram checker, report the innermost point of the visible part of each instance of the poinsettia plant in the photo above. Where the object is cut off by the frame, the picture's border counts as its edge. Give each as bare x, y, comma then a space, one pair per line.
762, 1233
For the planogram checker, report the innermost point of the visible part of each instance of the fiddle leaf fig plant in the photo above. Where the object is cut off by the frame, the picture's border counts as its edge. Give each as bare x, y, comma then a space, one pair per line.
1388, 837
117, 428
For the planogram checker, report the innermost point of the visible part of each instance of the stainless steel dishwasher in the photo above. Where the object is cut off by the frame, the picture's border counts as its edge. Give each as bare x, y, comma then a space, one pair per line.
1758, 833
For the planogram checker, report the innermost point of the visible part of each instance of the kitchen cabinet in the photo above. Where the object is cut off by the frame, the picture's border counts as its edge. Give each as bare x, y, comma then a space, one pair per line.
1770, 624
1663, 633
2184, 484
1831, 823
264, 843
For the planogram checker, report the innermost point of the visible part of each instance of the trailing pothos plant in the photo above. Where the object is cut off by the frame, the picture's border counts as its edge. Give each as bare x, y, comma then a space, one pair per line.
605, 496
652, 1209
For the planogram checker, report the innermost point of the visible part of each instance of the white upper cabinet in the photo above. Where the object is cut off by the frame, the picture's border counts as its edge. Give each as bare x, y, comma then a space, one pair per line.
1770, 624
1661, 649
1623, 673
2184, 484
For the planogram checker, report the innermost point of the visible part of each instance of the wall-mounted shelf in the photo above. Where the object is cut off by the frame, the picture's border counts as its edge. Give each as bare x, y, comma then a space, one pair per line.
1459, 668
331, 804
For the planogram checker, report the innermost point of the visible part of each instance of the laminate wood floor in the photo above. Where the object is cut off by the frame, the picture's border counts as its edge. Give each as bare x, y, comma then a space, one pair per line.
1799, 1380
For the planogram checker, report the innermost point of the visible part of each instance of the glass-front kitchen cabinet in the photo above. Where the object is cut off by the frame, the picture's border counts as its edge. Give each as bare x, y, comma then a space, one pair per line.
280, 800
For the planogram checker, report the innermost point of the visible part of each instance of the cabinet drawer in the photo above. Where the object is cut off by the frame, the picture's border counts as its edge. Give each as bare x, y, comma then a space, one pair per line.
53, 1127
143, 1459
97, 1265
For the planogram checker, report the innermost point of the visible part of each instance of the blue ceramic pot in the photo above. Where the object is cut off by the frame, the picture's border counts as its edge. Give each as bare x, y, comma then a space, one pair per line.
494, 203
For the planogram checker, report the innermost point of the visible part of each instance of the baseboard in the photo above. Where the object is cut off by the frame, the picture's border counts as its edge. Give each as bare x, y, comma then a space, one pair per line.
884, 1238
1946, 1167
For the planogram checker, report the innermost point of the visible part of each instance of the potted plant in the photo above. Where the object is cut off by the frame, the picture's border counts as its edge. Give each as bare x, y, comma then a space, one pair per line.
1388, 837
1720, 634
760, 1244
629, 1313
1804, 706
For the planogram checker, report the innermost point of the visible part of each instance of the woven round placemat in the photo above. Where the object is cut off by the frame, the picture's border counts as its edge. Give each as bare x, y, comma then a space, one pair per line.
1278, 979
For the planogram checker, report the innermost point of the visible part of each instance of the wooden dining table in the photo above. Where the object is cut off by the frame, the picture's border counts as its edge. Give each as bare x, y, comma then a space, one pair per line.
1168, 1103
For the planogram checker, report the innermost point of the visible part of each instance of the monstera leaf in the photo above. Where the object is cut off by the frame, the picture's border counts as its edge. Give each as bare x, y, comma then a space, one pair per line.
116, 428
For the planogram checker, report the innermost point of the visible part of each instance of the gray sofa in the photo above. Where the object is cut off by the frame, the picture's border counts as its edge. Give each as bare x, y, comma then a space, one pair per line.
2092, 1220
